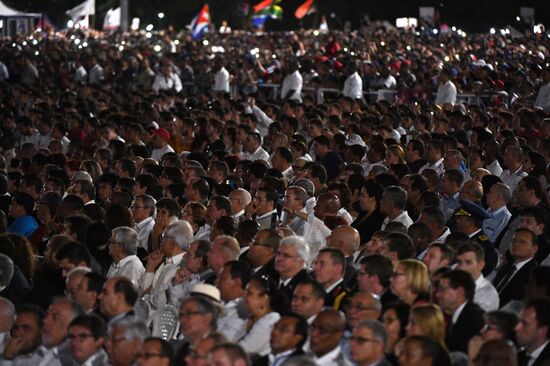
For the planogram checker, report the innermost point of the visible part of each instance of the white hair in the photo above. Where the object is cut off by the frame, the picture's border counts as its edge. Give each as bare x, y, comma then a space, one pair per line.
298, 243
181, 232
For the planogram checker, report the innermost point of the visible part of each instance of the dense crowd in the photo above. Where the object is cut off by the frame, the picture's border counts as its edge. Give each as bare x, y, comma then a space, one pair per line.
167, 201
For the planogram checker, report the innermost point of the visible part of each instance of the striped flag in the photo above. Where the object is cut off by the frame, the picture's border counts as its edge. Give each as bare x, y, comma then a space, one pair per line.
200, 23
273, 12
305, 9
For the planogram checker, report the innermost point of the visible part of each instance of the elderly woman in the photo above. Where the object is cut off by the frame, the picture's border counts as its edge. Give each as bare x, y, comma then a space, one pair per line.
410, 281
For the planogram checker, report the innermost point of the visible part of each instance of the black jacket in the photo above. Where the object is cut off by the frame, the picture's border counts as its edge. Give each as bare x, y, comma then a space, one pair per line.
469, 323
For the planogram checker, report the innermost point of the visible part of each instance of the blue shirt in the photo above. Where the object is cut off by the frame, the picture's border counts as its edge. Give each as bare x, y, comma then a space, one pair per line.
23, 225
449, 205
496, 223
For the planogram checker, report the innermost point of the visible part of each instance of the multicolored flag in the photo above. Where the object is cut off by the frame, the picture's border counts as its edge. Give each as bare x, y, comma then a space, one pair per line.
200, 23
273, 12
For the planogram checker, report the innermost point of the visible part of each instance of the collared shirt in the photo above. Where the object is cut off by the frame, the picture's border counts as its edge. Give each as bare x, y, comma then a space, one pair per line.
437, 166
353, 86
315, 234
512, 179
259, 154
536, 353
238, 216
157, 154
310, 204
160, 280
99, 354
279, 358
3, 339
162, 82
328, 359
294, 82
493, 226
265, 220
129, 267
486, 296
143, 230
288, 173
177, 292
443, 236
202, 233
403, 218
221, 81
255, 341
29, 359
334, 285
231, 324
449, 205
495, 168
457, 312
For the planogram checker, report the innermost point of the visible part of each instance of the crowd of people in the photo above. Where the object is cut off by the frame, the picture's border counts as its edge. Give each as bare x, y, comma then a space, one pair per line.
158, 207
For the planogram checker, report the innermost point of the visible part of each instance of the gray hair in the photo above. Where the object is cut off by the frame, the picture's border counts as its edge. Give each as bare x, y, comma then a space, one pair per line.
300, 244
133, 328
127, 238
397, 196
6, 271
378, 331
181, 232
300, 193
307, 185
504, 192
8, 309
77, 270
148, 202
299, 361
75, 307
377, 169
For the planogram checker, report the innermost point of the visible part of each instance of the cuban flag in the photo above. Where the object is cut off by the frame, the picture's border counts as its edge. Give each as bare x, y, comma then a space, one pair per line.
200, 23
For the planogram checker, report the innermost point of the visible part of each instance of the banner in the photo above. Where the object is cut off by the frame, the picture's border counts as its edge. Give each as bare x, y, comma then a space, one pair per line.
83, 10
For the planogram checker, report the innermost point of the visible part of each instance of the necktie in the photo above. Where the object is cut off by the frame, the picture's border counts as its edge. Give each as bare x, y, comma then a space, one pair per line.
506, 278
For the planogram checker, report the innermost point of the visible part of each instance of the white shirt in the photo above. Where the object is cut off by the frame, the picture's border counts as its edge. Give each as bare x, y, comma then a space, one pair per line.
129, 267
256, 340
160, 280
536, 353
292, 82
446, 93
96, 74
80, 75
3, 339
403, 218
162, 82
143, 230
231, 324
443, 236
486, 296
221, 81
543, 97
259, 154
157, 153
457, 312
346, 215
495, 168
328, 359
512, 179
353, 87
310, 204
315, 234
179, 291
437, 166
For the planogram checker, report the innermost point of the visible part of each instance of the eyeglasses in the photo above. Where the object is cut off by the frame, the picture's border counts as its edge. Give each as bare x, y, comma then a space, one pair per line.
80, 336
188, 314
286, 255
363, 340
134, 206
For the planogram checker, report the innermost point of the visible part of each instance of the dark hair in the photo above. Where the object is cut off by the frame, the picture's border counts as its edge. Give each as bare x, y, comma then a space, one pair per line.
378, 265
246, 230
374, 190
336, 256
25, 200
79, 226
33, 310
52, 200
95, 282
435, 215
431, 349
458, 278
402, 311
124, 286
318, 171
541, 306
169, 205
75, 253
533, 183
536, 212
454, 176
165, 347
226, 225
472, 247
92, 322
505, 322
400, 243
301, 328
201, 185
222, 203
240, 270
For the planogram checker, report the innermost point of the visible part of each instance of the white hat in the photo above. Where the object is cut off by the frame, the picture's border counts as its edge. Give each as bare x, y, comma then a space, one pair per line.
354, 139
207, 290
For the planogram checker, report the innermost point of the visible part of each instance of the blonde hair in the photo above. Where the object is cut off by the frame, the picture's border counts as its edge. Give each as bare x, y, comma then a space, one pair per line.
398, 151
416, 274
429, 318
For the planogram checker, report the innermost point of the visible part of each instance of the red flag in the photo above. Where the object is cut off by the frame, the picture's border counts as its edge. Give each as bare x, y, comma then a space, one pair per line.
303, 9
262, 5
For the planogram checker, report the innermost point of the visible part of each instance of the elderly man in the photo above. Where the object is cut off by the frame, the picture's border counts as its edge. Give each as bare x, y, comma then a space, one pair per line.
25, 338
60, 314
368, 344
295, 200
86, 339
198, 318
290, 264
346, 239
261, 254
513, 158
393, 203
239, 198
162, 265
497, 198
143, 210
326, 332
87, 292
262, 208
224, 249
125, 340
253, 147
123, 249
452, 181
7, 318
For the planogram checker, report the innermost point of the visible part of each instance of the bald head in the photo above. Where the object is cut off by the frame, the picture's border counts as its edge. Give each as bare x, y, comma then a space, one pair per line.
327, 203
472, 190
344, 238
239, 198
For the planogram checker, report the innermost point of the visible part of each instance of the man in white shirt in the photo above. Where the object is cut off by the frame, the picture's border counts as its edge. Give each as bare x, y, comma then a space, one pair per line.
221, 76
292, 83
232, 283
434, 156
80, 74
123, 249
262, 208
162, 265
96, 74
353, 86
513, 158
7, 318
86, 339
470, 258
543, 97
253, 147
446, 93
143, 210
167, 80
392, 204
160, 144
239, 198
497, 198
